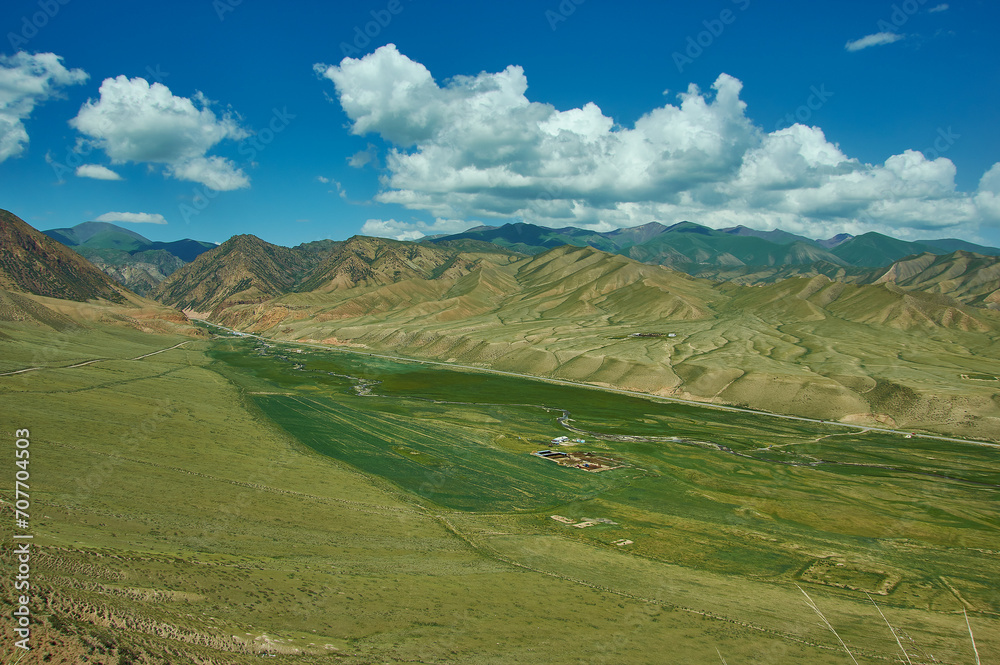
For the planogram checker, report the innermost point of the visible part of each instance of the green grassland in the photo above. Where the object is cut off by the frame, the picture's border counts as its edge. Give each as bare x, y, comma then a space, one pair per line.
223, 499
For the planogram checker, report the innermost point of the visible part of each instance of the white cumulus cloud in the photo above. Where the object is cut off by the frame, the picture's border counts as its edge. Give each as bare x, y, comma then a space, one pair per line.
27, 80
477, 147
877, 39
988, 195
134, 121
97, 172
132, 218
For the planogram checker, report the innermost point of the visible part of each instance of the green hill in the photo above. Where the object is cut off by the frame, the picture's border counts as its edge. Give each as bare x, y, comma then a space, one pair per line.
947, 245
98, 235
687, 247
776, 235
186, 250
874, 250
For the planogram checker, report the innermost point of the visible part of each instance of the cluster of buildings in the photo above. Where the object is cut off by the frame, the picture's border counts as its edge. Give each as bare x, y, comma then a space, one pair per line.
585, 461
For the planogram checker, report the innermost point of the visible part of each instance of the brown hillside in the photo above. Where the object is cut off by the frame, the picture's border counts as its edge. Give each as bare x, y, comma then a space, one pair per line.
244, 269
32, 262
971, 278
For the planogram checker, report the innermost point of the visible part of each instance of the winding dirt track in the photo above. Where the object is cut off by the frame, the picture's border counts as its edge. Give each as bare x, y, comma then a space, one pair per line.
91, 362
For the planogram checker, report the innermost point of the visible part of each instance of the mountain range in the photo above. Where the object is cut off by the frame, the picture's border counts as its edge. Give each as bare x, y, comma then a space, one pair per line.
691, 247
131, 259
248, 270
738, 254
881, 345
804, 344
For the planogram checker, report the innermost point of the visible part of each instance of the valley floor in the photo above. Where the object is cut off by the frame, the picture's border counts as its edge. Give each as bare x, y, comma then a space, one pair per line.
204, 501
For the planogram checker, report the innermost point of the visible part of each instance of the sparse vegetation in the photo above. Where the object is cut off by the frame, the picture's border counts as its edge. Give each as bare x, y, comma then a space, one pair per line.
254, 502
200, 500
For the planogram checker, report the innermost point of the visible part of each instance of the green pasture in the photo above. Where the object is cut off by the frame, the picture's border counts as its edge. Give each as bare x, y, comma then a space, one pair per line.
798, 492
222, 489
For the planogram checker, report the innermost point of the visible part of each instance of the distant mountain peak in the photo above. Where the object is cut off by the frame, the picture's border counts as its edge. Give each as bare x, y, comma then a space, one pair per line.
688, 227
774, 235
81, 233
838, 239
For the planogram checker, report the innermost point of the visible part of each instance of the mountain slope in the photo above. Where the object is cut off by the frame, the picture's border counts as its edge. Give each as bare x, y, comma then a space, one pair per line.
760, 275
686, 249
528, 238
186, 250
35, 263
363, 261
776, 235
247, 270
819, 298
838, 239
874, 250
635, 235
948, 245
242, 269
808, 346
970, 278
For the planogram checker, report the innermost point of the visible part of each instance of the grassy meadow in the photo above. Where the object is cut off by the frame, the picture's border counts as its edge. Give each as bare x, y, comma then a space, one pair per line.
225, 499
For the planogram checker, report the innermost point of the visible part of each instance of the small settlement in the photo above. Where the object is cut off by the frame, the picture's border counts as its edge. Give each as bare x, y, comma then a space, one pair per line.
586, 461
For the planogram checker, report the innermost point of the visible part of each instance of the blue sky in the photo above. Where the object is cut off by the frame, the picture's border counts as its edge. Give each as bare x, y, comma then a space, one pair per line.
238, 116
